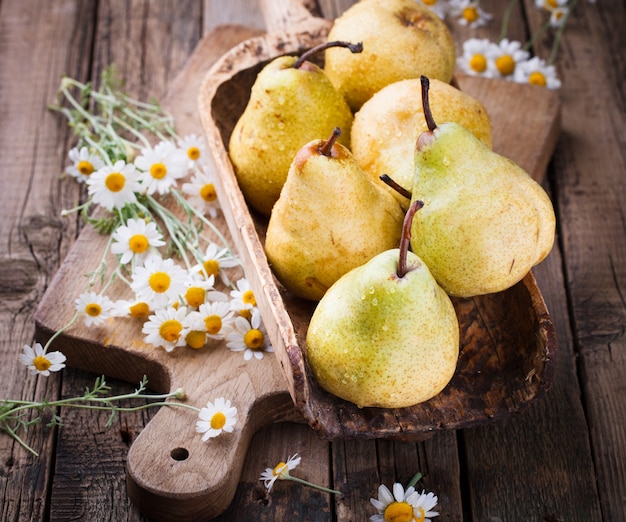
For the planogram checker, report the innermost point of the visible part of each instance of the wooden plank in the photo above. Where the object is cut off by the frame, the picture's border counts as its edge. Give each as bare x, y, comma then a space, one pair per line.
91, 458
33, 240
522, 468
287, 500
588, 179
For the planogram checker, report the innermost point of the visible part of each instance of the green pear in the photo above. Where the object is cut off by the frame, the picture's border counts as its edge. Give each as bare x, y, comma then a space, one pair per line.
485, 221
330, 218
385, 334
291, 103
386, 128
401, 39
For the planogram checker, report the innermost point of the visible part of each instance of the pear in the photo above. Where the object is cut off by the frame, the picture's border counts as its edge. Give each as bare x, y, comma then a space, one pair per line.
485, 221
401, 39
385, 334
386, 128
330, 218
291, 103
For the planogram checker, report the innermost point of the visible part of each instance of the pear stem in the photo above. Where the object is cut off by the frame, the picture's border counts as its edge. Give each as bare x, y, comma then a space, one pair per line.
355, 48
426, 104
327, 147
406, 237
388, 180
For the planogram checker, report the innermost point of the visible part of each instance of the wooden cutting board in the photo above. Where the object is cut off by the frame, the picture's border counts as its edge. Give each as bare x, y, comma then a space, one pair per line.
171, 473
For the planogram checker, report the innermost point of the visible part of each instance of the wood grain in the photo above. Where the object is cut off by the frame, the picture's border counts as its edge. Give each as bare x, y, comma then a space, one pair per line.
543, 457
34, 239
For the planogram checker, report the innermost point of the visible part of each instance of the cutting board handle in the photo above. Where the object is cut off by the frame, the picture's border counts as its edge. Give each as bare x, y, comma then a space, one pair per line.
172, 474
291, 16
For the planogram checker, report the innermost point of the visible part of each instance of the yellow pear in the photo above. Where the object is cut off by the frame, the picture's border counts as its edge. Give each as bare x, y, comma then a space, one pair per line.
485, 221
401, 39
385, 334
386, 128
291, 103
330, 218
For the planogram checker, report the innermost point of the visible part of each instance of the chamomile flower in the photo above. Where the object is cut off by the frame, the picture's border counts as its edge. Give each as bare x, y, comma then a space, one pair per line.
214, 261
280, 471
475, 58
202, 194
217, 318
198, 291
243, 298
167, 327
161, 166
215, 418
159, 281
406, 506
558, 16
39, 362
504, 57
536, 72
136, 240
131, 308
249, 337
114, 186
84, 163
439, 7
549, 5
469, 13
196, 337
95, 308
194, 147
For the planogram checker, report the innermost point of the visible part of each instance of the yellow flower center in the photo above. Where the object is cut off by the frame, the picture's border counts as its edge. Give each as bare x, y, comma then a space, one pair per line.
159, 282
85, 168
41, 363
398, 512
115, 181
218, 421
422, 515
211, 267
196, 339
505, 64
138, 243
193, 153
254, 339
280, 468
470, 14
429, 2
213, 324
552, 3
139, 310
170, 330
248, 298
537, 78
93, 309
246, 313
478, 63
207, 192
158, 170
195, 296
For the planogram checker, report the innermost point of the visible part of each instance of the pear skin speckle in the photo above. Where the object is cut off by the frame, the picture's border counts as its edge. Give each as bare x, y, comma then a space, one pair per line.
485, 222
287, 108
380, 341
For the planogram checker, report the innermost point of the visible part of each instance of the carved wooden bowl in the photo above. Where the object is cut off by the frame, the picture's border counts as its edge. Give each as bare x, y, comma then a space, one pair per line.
507, 352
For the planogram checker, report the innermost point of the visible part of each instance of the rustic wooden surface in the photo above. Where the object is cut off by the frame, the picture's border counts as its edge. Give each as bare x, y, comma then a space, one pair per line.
564, 459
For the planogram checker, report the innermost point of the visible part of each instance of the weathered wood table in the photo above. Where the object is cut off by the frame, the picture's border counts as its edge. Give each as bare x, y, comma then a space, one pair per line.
562, 460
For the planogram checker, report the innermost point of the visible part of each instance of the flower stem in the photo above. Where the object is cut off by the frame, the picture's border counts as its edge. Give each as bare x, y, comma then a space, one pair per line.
416, 478
506, 18
310, 484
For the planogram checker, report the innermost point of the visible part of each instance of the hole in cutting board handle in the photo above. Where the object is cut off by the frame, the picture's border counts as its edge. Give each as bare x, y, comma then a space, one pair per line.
179, 454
